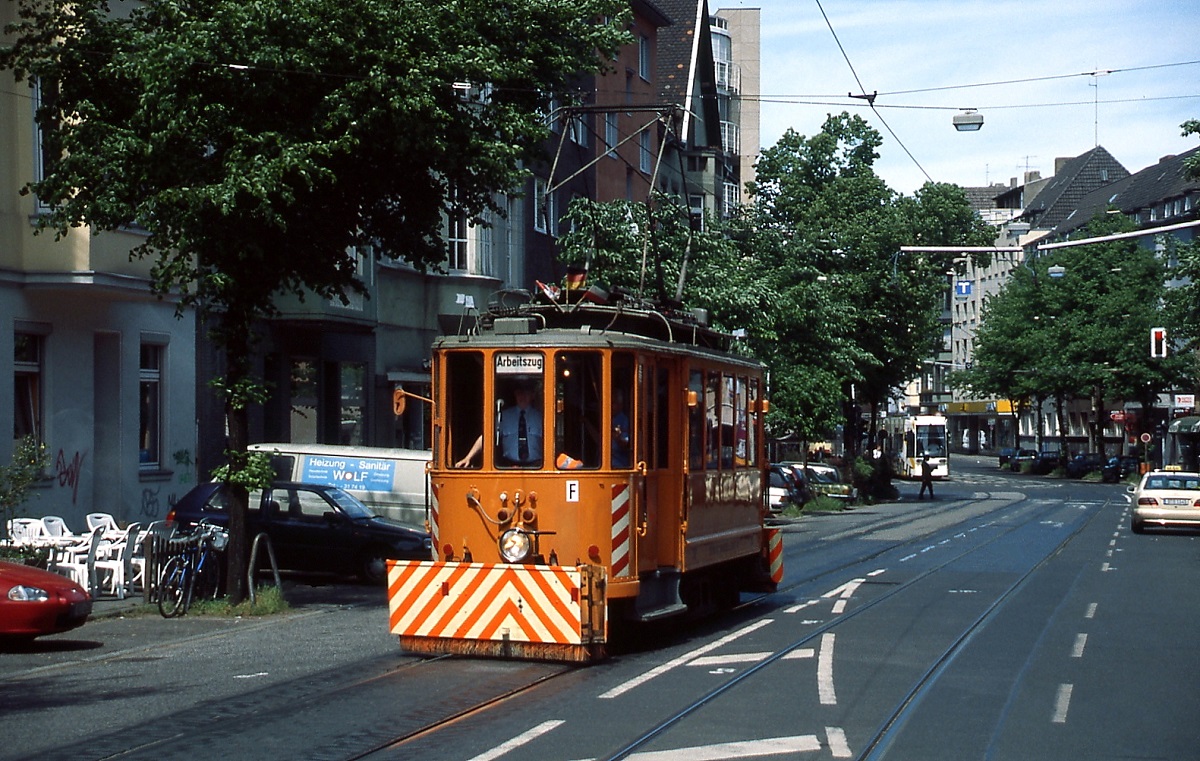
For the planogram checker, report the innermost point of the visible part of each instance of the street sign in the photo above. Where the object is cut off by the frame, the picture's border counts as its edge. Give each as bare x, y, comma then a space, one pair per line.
962, 289
1146, 438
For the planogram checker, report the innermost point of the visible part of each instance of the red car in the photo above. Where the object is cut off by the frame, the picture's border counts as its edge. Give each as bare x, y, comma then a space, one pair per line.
34, 602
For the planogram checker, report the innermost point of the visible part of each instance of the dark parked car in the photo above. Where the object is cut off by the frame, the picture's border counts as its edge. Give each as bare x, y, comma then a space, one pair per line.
1021, 458
1006, 456
1082, 464
313, 527
1119, 468
1046, 462
34, 602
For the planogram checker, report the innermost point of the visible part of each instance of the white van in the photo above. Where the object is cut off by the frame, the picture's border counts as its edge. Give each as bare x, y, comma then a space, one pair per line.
392, 482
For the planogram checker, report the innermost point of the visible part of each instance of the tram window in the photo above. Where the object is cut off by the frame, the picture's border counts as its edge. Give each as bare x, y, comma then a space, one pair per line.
662, 438
621, 434
578, 417
741, 423
464, 407
518, 436
696, 421
729, 420
752, 429
712, 415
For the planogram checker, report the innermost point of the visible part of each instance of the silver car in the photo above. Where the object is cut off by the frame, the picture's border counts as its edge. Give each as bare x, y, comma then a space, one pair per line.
1166, 498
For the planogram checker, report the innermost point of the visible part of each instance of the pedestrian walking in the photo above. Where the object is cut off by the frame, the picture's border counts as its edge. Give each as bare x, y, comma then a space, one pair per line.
926, 477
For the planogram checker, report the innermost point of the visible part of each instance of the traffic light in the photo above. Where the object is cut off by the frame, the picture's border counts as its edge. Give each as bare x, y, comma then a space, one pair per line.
1158, 342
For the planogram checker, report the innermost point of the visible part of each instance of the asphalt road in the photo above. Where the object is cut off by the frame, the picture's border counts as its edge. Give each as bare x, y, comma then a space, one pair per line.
1013, 617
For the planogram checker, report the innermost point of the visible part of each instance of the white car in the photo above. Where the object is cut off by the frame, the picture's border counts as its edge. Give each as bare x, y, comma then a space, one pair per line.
1166, 498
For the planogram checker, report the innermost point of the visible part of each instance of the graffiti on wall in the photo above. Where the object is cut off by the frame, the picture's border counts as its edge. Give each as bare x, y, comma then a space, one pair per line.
67, 471
184, 463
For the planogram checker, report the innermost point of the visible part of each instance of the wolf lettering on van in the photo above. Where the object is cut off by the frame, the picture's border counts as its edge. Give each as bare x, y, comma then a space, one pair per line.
391, 481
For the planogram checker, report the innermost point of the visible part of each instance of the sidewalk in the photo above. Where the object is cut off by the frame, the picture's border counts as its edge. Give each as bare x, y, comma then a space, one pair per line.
300, 591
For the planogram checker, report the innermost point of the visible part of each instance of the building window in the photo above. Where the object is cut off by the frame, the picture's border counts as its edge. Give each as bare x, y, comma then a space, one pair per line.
731, 199
645, 51
27, 386
456, 241
612, 135
150, 396
543, 207
579, 129
350, 298
647, 155
44, 96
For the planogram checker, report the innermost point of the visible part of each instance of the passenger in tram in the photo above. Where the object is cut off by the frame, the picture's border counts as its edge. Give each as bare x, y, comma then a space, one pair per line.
621, 443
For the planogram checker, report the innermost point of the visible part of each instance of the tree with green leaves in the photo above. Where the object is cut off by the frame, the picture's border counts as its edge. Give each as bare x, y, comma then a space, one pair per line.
842, 221
1083, 335
259, 145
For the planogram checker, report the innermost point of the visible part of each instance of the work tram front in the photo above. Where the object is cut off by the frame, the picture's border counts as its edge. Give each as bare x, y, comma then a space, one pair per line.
594, 466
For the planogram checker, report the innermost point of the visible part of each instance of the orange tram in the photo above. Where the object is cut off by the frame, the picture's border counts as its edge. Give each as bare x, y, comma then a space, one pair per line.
594, 466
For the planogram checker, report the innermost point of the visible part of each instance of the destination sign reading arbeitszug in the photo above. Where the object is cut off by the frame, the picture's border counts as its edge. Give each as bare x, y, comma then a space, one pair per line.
519, 364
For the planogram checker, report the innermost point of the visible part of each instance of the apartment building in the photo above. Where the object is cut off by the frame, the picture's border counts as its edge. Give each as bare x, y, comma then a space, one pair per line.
102, 371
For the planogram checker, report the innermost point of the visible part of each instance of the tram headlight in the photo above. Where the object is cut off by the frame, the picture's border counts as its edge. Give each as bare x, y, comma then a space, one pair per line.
515, 545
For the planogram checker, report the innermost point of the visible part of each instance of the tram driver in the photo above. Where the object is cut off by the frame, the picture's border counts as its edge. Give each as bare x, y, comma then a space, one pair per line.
520, 429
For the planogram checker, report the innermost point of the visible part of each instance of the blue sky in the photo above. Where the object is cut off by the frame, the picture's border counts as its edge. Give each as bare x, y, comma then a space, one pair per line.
1058, 109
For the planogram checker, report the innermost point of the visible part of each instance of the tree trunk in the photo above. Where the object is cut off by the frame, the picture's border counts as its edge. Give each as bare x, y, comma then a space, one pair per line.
237, 340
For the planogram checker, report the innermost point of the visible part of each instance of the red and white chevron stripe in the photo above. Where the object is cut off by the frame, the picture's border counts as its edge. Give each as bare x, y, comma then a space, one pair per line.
775, 553
622, 529
485, 602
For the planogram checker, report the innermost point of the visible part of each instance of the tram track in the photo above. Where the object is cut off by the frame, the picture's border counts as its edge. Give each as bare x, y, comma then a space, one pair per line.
465, 695
877, 745
423, 733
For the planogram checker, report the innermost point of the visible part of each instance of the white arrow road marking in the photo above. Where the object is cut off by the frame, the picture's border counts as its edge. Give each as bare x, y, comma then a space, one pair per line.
843, 593
625, 687
747, 749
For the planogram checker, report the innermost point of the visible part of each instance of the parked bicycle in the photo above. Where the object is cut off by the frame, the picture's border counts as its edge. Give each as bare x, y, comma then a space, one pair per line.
195, 574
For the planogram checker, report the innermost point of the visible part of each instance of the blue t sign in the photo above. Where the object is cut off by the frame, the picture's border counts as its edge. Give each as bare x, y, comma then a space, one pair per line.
962, 289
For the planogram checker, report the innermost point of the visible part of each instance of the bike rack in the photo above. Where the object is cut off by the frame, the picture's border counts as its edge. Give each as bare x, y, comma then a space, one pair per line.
254, 563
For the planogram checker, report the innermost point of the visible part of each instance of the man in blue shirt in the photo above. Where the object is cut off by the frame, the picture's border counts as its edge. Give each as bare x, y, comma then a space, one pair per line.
520, 428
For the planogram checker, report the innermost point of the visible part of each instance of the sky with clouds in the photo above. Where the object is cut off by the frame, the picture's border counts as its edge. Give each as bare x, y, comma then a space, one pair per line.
924, 58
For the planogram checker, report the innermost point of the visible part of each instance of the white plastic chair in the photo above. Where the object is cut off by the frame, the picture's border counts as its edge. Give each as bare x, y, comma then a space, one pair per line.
77, 560
56, 527
110, 560
24, 531
103, 520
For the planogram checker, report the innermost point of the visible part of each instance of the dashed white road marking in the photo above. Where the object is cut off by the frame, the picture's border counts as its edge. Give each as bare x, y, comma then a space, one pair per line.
1061, 703
1091, 611
775, 746
725, 660
800, 606
837, 742
1080, 644
825, 671
521, 739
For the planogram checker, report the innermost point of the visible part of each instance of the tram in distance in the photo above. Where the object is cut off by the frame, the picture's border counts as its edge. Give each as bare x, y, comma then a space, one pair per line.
909, 438
594, 466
